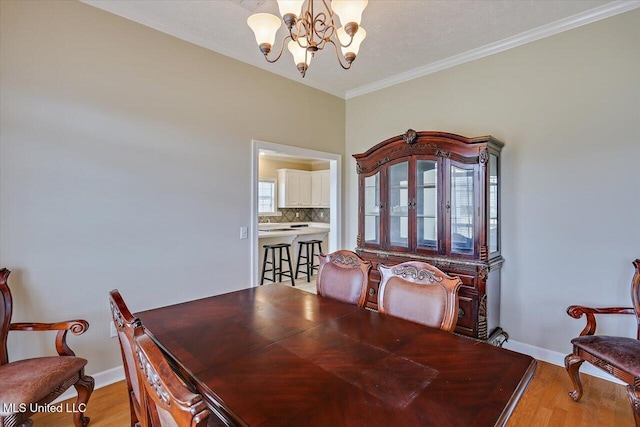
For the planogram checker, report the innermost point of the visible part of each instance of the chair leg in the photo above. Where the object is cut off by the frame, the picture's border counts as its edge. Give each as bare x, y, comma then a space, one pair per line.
572, 363
84, 387
635, 403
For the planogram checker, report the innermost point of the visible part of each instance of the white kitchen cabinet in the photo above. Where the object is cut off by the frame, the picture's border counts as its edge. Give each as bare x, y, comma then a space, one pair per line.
320, 188
294, 188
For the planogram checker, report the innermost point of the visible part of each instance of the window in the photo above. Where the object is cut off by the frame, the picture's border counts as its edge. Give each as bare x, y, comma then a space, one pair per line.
267, 196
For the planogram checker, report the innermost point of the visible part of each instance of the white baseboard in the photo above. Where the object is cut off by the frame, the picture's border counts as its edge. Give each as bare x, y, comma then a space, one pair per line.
556, 358
102, 379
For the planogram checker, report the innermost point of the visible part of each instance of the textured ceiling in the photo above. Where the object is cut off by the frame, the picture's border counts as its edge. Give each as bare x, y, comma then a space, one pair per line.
405, 39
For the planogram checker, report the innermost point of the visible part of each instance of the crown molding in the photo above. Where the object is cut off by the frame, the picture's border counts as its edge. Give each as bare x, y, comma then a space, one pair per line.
575, 21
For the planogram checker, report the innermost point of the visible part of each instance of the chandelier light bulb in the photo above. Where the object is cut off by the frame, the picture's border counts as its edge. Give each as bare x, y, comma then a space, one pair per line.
264, 26
349, 10
354, 47
292, 7
300, 55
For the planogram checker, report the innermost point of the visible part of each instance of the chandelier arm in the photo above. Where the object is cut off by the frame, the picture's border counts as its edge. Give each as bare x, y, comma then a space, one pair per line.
331, 13
346, 67
325, 32
271, 61
348, 44
300, 25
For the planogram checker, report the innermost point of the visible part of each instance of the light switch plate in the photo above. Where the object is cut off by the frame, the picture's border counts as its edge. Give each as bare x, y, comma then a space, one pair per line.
243, 232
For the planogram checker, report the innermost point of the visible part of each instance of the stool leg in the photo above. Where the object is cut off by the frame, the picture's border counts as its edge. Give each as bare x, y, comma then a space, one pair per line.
298, 261
279, 264
310, 263
273, 265
264, 265
317, 267
293, 283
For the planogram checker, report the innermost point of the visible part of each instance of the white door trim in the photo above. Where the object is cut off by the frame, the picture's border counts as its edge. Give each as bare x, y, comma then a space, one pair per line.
335, 162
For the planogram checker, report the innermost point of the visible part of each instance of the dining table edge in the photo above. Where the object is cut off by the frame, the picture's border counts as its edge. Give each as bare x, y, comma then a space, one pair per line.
517, 394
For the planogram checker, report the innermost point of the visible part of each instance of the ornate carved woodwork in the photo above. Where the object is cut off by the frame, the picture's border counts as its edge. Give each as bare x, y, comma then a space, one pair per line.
456, 161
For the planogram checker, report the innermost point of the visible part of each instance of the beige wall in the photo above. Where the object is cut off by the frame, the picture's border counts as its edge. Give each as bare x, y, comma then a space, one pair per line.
268, 168
126, 163
568, 109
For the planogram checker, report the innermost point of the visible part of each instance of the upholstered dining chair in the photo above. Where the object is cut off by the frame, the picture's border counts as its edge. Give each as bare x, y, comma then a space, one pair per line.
127, 328
344, 276
38, 381
165, 398
619, 356
421, 293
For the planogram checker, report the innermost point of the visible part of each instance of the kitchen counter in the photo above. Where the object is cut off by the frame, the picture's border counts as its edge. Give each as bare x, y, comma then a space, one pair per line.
285, 229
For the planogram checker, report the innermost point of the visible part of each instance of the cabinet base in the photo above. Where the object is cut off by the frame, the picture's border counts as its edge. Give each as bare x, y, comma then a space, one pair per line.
498, 337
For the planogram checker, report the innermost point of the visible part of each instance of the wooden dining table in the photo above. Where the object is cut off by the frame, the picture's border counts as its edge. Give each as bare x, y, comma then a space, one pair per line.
276, 356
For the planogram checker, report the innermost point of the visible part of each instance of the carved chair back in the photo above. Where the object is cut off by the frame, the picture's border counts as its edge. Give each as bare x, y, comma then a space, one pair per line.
166, 399
344, 276
127, 327
5, 314
421, 293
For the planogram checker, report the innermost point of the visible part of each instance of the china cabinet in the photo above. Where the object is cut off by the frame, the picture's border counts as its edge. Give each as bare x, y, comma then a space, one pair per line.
434, 197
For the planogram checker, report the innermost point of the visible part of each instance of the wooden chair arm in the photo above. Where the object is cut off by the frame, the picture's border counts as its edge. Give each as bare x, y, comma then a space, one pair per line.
77, 327
576, 311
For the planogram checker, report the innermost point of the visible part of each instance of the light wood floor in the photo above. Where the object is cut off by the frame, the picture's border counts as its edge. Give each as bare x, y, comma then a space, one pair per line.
544, 403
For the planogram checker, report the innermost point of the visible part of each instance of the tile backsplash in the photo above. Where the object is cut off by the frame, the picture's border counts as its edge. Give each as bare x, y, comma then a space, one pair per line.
304, 215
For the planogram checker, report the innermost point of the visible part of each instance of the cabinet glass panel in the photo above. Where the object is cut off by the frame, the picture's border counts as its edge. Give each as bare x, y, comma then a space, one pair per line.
399, 204
462, 209
427, 203
372, 209
494, 232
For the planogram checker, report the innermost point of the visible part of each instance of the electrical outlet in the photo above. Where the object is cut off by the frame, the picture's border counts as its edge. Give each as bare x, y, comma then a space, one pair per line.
112, 330
297, 214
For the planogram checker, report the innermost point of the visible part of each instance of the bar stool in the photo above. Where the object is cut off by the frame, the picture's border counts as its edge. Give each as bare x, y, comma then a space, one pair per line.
276, 263
308, 257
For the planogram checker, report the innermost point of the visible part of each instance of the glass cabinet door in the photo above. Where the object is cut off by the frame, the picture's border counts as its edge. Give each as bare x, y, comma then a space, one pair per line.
399, 204
462, 208
372, 209
493, 204
427, 204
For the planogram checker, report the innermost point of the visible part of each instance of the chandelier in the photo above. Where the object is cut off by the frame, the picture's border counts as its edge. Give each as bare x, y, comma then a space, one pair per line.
310, 32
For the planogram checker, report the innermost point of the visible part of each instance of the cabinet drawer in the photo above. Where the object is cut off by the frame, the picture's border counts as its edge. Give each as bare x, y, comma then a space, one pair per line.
468, 282
467, 314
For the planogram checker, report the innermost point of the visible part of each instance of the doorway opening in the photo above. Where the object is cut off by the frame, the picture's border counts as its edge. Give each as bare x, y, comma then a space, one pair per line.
286, 153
